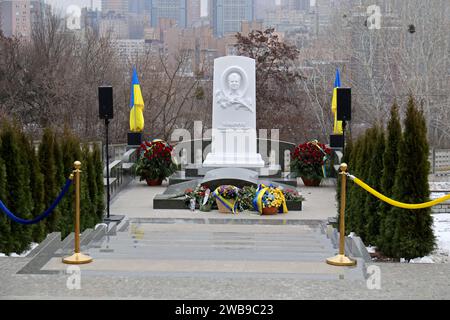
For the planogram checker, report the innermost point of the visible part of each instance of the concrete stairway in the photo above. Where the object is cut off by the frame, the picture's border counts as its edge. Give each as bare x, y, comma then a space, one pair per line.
188, 248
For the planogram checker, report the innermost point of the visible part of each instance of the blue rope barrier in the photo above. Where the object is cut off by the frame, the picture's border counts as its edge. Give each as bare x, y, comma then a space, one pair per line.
42, 216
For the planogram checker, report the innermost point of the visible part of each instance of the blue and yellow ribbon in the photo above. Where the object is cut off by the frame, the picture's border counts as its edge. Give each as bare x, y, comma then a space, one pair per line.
258, 200
230, 206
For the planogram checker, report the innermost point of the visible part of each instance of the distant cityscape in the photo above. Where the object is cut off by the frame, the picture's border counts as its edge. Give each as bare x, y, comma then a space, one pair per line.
205, 26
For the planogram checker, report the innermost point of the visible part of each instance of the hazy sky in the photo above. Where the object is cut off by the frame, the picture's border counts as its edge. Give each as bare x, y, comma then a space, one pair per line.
62, 4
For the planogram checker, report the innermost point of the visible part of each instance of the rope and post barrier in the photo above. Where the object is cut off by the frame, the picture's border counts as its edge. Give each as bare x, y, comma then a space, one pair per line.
44, 215
340, 259
77, 257
413, 206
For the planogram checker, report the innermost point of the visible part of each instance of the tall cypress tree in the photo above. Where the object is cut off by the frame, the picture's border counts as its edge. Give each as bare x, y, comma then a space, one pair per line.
18, 195
36, 187
86, 192
359, 195
5, 223
351, 205
390, 164
71, 152
413, 235
371, 207
345, 159
49, 169
100, 193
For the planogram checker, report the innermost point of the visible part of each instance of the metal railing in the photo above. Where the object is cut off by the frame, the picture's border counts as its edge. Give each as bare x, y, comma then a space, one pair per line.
121, 171
439, 161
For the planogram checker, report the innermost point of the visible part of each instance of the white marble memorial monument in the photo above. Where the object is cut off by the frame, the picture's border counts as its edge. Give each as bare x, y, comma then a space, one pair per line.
234, 114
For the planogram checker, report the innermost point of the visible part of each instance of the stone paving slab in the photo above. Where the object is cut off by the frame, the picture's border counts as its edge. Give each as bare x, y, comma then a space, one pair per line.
200, 266
137, 201
398, 281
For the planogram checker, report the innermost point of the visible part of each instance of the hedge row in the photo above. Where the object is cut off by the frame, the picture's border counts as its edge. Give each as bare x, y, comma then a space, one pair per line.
31, 179
395, 163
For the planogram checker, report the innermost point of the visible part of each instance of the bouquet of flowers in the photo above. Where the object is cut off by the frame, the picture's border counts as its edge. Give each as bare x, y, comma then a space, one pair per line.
269, 200
201, 196
155, 160
308, 160
293, 195
246, 196
226, 198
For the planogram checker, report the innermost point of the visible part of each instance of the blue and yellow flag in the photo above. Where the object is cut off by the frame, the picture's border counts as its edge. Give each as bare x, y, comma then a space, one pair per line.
337, 124
136, 105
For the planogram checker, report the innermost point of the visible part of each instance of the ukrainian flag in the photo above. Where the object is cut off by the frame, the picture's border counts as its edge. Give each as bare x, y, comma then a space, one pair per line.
136, 105
337, 124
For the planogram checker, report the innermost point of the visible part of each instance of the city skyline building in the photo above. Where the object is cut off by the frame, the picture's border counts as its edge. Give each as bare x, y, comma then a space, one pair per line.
15, 18
226, 16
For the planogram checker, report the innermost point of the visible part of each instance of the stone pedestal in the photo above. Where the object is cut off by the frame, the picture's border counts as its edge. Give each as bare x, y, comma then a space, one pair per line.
234, 115
134, 139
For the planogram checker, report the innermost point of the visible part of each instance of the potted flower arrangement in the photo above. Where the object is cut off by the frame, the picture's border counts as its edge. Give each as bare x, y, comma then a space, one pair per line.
293, 199
155, 162
246, 196
269, 200
201, 196
293, 195
308, 162
226, 198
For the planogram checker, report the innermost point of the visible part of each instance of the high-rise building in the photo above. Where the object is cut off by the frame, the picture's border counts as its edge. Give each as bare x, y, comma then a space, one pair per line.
302, 5
262, 7
193, 12
39, 10
116, 6
137, 6
227, 15
169, 9
15, 18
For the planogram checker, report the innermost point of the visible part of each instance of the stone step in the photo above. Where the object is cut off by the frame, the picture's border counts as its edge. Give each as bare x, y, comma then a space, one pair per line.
194, 245
215, 268
232, 228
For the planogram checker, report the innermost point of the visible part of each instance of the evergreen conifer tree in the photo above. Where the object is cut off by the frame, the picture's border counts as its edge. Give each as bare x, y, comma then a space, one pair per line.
100, 191
390, 164
375, 163
49, 170
36, 187
18, 195
413, 235
359, 195
5, 223
70, 146
351, 204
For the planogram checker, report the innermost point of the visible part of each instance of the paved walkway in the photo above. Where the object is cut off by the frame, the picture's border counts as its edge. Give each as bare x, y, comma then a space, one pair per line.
137, 201
154, 259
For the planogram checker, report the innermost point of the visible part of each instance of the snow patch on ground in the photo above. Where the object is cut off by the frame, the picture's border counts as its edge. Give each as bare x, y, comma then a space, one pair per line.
23, 254
441, 228
371, 249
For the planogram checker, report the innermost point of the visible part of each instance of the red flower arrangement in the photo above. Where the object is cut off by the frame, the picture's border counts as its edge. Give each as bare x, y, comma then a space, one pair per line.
308, 160
155, 160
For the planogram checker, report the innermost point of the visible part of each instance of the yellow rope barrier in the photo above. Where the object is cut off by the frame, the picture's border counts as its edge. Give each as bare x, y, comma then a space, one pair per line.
395, 203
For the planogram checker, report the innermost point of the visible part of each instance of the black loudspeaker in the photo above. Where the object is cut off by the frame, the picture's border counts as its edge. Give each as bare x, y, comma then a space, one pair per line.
105, 102
337, 141
344, 104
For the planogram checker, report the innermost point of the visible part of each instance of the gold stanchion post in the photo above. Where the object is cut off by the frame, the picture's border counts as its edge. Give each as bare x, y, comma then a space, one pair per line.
77, 257
341, 259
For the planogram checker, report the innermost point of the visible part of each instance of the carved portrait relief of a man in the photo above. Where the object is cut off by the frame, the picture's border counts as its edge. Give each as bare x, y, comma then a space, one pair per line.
232, 96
